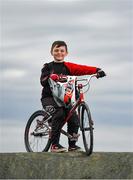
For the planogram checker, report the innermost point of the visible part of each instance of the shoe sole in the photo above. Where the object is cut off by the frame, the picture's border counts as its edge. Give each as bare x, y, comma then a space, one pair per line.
59, 151
74, 150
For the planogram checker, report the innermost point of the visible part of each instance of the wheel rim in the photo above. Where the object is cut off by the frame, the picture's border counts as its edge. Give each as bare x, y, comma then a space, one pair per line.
87, 130
38, 134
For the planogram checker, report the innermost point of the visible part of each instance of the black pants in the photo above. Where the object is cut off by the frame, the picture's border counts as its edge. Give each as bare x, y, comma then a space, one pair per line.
58, 116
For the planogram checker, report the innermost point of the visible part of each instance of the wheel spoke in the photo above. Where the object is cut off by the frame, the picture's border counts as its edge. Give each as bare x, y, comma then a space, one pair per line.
37, 133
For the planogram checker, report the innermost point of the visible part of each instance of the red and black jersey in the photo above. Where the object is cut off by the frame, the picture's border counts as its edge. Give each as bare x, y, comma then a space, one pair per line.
65, 68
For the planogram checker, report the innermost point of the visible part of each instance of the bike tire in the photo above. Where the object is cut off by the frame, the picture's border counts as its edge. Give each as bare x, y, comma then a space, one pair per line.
87, 141
26, 133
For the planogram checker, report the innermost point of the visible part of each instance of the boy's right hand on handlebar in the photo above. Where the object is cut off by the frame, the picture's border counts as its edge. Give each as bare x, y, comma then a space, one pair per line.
54, 77
100, 73
60, 78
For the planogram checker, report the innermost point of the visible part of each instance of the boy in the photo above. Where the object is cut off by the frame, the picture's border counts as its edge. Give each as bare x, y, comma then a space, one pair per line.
53, 69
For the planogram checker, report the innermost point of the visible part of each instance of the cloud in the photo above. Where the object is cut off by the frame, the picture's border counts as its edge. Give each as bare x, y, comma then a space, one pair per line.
114, 139
112, 142
13, 74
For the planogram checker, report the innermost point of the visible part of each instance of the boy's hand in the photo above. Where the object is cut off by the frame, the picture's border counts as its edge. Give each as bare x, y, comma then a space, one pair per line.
54, 77
100, 73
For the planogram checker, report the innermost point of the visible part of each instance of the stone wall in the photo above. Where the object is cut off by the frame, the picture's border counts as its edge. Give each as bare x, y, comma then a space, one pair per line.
66, 166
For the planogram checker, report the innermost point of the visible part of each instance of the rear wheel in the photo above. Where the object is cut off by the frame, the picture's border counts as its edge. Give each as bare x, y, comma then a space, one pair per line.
37, 131
86, 126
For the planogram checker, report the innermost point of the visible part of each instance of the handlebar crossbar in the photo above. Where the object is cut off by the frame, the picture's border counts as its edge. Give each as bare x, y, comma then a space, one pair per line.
87, 79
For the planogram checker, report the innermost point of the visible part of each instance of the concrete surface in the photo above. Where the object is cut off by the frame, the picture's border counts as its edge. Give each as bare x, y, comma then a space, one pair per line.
99, 165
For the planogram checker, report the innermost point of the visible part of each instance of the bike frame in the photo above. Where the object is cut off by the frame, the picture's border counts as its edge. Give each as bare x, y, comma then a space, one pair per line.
77, 103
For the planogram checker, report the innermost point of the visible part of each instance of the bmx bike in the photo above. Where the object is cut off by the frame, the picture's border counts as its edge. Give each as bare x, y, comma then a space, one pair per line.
38, 129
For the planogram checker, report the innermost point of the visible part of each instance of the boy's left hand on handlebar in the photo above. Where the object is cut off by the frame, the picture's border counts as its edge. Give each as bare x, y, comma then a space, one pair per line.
100, 73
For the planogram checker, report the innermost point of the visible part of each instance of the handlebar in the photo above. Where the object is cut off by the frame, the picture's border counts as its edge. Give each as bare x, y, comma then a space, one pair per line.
63, 79
87, 79
87, 84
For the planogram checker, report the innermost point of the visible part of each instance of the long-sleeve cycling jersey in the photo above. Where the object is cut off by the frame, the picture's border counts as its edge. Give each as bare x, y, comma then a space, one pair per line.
65, 68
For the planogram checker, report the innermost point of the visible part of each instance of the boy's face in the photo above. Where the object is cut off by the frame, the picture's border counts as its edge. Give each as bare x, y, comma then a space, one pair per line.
59, 53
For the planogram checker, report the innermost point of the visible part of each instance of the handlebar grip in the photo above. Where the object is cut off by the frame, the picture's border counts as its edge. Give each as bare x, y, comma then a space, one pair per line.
100, 74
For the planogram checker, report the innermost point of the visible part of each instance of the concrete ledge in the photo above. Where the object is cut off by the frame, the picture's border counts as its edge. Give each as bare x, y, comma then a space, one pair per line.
66, 166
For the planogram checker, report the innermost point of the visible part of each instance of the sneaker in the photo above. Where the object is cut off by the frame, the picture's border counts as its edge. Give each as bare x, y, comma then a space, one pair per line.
74, 148
58, 148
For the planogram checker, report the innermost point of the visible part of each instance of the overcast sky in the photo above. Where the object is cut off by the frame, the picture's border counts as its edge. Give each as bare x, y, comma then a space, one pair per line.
98, 33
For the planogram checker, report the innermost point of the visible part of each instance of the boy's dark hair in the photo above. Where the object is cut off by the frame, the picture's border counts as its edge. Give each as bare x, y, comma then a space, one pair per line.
58, 44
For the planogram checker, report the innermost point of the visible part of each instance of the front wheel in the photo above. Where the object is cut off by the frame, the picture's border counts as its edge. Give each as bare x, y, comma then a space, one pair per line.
86, 127
37, 132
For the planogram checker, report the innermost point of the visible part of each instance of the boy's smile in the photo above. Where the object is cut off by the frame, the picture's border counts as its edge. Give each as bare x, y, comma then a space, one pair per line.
59, 53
